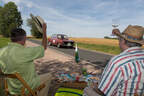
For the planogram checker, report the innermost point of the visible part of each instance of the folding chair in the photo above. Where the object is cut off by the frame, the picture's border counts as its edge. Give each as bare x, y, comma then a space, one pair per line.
137, 94
25, 85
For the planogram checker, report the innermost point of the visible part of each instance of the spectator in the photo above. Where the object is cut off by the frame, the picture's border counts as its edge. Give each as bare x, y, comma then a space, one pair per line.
124, 74
17, 58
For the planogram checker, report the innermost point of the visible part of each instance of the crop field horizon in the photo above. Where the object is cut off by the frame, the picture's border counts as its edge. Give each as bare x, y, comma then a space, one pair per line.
101, 41
98, 44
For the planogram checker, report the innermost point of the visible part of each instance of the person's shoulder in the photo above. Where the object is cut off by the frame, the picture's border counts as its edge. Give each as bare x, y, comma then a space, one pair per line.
3, 48
119, 59
115, 58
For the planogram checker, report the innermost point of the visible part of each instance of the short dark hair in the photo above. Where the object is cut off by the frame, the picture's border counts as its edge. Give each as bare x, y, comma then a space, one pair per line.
17, 34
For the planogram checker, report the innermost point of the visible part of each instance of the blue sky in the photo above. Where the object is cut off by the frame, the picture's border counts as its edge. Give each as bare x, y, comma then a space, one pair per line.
82, 18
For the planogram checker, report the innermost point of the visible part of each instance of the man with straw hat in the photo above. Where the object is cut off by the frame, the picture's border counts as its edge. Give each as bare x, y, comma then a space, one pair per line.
124, 74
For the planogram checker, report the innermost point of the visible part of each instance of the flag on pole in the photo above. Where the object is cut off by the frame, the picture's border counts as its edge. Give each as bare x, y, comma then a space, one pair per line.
77, 59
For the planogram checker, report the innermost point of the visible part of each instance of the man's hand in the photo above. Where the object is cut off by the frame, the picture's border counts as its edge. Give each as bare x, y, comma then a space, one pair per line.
90, 92
93, 90
115, 32
94, 85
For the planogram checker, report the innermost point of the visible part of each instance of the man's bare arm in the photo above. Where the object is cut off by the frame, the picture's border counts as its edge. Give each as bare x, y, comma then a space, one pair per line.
44, 40
92, 90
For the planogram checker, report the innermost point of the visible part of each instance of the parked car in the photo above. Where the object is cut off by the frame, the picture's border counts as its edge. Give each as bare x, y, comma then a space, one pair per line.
60, 40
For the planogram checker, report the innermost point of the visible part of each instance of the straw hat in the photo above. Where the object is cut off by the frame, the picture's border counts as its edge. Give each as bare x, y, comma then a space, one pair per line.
38, 21
132, 34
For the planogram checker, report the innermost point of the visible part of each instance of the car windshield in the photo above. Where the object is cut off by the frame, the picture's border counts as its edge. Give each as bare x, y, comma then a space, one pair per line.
62, 36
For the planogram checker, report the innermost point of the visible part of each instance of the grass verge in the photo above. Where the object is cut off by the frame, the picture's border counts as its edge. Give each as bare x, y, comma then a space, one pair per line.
4, 41
102, 48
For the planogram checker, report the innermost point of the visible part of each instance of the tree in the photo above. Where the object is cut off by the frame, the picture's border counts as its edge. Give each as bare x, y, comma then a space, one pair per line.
106, 37
0, 20
34, 30
10, 18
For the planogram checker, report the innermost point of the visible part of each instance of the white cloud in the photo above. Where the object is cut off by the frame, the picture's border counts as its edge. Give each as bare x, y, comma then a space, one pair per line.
70, 25
94, 18
60, 22
140, 0
16, 1
27, 3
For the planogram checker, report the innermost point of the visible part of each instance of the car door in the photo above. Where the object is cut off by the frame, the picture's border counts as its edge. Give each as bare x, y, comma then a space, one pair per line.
58, 40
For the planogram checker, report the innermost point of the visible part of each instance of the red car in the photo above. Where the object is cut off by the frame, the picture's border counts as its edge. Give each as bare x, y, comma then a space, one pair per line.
60, 40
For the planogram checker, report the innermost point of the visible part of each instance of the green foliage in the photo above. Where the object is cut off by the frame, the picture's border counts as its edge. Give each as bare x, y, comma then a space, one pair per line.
10, 18
0, 20
106, 37
103, 48
4, 41
34, 30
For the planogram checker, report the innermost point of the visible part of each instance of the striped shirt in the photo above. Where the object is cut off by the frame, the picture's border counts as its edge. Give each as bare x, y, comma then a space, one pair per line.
124, 74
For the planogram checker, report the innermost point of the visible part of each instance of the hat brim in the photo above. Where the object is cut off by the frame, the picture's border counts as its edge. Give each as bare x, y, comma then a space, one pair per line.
37, 23
126, 38
40, 20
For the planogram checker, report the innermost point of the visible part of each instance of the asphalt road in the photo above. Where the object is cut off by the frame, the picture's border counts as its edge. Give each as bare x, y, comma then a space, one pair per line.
94, 57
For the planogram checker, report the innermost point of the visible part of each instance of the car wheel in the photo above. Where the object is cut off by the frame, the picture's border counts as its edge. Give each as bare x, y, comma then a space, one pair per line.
49, 43
58, 45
